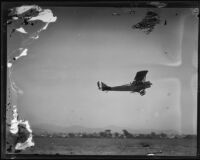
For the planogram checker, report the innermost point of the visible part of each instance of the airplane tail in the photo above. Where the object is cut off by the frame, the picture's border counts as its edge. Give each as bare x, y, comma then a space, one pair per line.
102, 86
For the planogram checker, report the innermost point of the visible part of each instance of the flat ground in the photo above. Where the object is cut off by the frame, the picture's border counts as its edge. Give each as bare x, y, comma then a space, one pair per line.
103, 146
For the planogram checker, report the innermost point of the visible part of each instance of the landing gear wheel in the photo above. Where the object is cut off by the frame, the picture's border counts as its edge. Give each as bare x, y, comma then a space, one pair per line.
142, 92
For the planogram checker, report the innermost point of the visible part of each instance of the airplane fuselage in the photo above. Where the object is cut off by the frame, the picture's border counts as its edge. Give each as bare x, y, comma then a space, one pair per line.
133, 87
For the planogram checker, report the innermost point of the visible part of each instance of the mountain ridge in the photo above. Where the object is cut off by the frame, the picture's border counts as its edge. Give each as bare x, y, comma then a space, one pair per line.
48, 128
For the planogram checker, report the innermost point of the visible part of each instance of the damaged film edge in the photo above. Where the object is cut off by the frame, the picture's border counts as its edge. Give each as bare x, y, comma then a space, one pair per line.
23, 15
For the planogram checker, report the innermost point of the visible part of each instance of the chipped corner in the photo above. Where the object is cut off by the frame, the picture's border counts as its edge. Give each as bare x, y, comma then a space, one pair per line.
18, 134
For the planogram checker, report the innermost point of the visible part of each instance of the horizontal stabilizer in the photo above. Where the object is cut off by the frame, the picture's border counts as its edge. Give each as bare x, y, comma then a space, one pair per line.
102, 86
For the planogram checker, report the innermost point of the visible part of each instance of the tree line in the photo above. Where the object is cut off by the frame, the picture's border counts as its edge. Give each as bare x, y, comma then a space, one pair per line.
109, 134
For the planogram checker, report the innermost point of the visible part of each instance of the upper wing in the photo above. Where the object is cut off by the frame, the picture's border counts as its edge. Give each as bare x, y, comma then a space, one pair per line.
141, 76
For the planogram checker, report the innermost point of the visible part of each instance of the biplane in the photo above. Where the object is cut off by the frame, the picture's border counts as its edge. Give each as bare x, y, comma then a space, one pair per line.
138, 85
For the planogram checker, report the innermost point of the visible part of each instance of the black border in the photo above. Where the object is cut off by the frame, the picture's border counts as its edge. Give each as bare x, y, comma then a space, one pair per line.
5, 5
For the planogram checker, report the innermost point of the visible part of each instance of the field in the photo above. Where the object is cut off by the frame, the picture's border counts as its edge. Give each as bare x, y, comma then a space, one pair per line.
103, 146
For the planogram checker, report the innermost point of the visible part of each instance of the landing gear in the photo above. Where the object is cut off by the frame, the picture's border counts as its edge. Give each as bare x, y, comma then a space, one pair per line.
142, 92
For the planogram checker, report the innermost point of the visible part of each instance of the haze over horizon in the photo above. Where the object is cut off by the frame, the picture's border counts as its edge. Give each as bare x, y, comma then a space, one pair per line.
85, 45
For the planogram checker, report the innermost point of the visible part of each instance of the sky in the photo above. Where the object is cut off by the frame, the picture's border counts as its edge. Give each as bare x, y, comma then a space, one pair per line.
58, 76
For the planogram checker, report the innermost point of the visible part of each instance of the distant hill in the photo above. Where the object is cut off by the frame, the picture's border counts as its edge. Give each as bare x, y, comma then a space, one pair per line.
41, 128
48, 128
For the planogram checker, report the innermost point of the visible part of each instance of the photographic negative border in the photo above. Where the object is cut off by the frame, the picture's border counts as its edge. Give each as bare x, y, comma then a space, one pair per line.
5, 5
